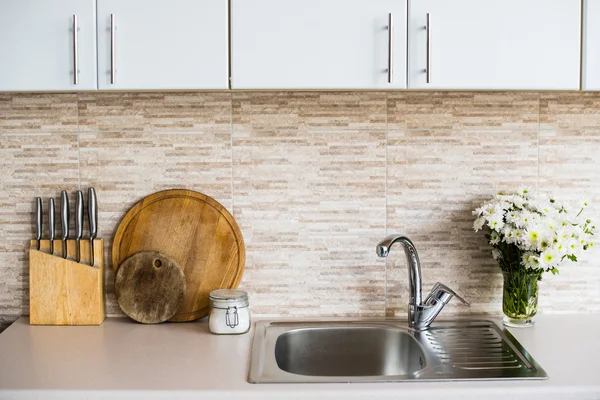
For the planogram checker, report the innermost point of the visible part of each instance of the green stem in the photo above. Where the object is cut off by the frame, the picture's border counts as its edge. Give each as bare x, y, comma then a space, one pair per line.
520, 294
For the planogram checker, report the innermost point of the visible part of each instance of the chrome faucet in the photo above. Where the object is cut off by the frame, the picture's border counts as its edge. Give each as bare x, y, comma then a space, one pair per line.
420, 313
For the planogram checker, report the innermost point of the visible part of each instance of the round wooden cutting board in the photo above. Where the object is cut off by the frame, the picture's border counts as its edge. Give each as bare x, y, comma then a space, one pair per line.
149, 287
194, 230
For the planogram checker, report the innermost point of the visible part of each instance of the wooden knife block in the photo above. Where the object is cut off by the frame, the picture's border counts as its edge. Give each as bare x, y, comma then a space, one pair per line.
63, 291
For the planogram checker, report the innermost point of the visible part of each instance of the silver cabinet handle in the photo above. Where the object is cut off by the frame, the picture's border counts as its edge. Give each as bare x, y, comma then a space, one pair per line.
390, 48
428, 68
75, 53
112, 50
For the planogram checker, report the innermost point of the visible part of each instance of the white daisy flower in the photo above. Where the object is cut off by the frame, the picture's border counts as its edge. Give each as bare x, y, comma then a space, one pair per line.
494, 238
478, 224
547, 231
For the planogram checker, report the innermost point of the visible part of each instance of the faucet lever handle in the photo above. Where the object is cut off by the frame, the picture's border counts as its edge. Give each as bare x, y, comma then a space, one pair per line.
443, 293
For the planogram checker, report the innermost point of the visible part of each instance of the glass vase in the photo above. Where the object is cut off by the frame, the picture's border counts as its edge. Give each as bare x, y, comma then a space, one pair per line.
520, 297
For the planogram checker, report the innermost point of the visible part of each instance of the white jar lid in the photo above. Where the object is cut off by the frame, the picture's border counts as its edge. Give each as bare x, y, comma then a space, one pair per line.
223, 298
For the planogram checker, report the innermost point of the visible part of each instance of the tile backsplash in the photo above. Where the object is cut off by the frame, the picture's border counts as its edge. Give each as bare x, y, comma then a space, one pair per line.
315, 180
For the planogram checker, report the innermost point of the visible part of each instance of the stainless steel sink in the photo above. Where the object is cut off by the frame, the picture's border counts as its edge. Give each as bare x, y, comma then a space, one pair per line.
334, 351
386, 350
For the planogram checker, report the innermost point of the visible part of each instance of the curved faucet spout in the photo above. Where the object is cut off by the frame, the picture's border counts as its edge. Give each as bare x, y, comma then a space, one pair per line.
420, 313
414, 266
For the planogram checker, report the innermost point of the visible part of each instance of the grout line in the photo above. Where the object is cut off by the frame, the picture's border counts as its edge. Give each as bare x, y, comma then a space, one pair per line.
231, 152
78, 146
537, 180
385, 288
229, 44
228, 127
582, 36
406, 54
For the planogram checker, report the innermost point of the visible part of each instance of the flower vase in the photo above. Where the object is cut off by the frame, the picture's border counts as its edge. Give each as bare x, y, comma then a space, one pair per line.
520, 297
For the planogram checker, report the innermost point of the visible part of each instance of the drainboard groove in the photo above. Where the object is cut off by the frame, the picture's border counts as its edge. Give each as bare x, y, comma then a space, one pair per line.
456, 350
494, 353
473, 330
491, 368
468, 345
476, 357
495, 362
468, 340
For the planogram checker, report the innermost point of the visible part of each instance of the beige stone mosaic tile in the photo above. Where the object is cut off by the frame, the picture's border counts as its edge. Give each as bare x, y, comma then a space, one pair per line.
435, 179
311, 207
569, 165
14, 283
575, 110
321, 182
33, 165
576, 289
124, 167
315, 180
38, 112
462, 110
154, 111
308, 275
309, 110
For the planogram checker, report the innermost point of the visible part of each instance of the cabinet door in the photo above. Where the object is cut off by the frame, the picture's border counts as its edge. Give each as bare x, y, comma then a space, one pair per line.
494, 44
37, 45
317, 44
156, 44
591, 45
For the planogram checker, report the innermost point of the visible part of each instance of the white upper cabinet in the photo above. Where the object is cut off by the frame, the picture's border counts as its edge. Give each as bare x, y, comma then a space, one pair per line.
591, 45
156, 44
39, 48
494, 44
318, 44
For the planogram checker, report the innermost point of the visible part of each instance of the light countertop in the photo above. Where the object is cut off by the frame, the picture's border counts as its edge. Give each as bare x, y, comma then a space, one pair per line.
124, 359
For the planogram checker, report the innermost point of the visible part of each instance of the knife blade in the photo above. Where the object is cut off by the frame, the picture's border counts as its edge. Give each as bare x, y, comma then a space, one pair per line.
93, 220
79, 222
64, 219
51, 224
38, 220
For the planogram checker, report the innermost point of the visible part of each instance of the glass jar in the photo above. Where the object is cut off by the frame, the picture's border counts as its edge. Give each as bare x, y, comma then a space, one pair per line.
229, 313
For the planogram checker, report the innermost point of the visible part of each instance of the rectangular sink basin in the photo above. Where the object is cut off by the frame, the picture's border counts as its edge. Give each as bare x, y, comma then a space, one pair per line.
386, 350
348, 351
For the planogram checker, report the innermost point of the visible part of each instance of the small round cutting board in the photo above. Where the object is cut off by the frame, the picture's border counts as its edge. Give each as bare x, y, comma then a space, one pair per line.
149, 287
194, 230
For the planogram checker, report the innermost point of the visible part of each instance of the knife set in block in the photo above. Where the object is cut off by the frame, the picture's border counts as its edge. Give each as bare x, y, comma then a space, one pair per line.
66, 277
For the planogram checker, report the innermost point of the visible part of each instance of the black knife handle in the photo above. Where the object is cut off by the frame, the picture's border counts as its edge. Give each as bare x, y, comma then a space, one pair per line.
64, 214
38, 220
51, 219
93, 217
92, 213
51, 224
79, 215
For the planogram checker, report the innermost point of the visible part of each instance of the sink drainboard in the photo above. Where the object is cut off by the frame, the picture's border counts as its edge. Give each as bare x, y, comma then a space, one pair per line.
474, 348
